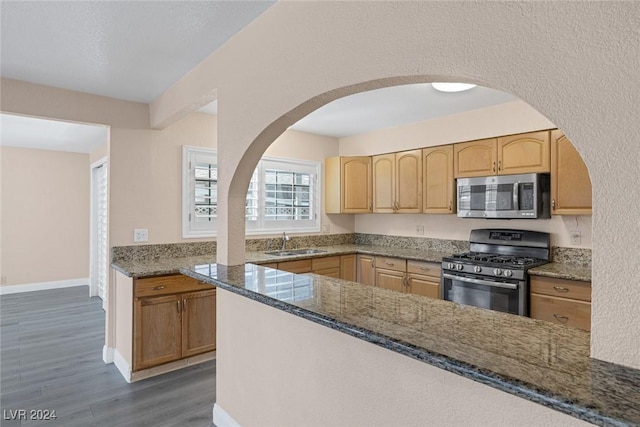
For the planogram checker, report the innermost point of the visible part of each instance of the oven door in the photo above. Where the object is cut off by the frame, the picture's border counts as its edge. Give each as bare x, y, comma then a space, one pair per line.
509, 296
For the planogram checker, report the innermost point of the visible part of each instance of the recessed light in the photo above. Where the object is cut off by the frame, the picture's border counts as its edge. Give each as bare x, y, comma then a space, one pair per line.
452, 87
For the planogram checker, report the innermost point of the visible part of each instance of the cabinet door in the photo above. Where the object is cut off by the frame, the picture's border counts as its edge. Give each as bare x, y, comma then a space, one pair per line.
356, 185
390, 279
524, 153
384, 172
198, 322
329, 272
570, 182
300, 266
157, 331
348, 267
475, 158
408, 185
438, 182
563, 311
366, 274
423, 285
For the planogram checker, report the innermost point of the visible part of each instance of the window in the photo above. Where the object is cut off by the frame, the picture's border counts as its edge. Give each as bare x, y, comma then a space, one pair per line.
282, 195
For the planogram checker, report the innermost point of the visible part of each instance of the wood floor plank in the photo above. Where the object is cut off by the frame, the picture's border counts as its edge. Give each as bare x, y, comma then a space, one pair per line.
51, 358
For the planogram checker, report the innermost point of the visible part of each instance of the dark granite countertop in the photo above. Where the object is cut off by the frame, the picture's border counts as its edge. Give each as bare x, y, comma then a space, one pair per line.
157, 267
563, 271
546, 363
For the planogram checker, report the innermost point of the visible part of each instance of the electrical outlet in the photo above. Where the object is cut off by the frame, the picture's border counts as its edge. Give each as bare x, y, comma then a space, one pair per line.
575, 237
420, 230
3, 280
326, 228
140, 235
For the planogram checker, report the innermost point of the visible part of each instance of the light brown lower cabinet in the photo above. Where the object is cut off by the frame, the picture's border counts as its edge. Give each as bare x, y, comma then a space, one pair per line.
561, 301
348, 267
172, 327
423, 278
366, 269
407, 276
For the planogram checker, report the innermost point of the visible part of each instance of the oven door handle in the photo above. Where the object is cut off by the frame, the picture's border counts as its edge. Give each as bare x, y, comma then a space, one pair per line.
481, 282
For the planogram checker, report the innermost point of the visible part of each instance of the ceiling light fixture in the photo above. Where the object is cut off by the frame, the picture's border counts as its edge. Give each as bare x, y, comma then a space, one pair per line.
452, 87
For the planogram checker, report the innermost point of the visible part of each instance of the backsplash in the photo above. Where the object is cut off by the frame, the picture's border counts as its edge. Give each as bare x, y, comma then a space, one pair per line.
420, 243
571, 256
162, 251
275, 243
180, 250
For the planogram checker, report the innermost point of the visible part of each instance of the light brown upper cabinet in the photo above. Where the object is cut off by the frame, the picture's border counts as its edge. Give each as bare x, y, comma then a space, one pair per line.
506, 155
397, 182
438, 183
475, 158
524, 153
347, 184
570, 182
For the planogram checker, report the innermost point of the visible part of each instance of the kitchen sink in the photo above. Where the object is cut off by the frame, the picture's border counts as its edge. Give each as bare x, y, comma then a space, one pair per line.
289, 252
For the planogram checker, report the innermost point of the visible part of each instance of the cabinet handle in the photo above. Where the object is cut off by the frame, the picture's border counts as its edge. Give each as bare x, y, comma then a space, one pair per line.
499, 165
178, 306
370, 207
561, 289
494, 166
405, 281
553, 204
159, 288
425, 268
184, 305
389, 263
560, 318
395, 206
450, 206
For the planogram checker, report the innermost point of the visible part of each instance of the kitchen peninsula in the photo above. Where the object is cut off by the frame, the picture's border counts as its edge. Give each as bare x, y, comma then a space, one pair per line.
542, 362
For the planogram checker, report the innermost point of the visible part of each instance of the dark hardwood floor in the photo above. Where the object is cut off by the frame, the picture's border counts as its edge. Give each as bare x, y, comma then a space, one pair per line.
51, 360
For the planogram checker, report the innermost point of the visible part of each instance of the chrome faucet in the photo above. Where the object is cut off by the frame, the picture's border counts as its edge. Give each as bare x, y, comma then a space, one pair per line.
285, 239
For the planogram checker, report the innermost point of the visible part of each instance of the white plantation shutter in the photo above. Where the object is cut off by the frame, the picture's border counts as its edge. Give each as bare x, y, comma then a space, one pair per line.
101, 230
282, 195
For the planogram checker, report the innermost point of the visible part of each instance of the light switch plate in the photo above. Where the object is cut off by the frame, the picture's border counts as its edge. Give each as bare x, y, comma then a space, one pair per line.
420, 230
140, 235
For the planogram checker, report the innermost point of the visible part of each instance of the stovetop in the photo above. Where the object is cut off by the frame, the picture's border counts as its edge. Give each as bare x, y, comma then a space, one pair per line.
511, 261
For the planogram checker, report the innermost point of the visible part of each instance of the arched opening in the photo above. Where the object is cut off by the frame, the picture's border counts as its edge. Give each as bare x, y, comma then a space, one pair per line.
570, 225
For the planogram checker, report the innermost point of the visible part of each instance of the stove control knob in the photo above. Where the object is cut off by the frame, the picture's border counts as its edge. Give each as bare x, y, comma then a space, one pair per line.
477, 269
459, 266
497, 271
508, 273
450, 266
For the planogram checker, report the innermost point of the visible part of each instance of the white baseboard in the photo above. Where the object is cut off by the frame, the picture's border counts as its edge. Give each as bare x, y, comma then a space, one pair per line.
107, 354
122, 366
222, 419
43, 286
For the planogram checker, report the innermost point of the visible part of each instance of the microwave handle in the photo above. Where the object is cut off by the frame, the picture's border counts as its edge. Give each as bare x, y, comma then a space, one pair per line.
516, 202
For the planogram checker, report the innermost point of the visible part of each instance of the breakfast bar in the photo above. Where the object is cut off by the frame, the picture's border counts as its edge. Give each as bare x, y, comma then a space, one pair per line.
537, 361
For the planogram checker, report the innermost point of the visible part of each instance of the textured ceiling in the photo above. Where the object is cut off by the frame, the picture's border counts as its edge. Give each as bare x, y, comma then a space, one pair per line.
132, 50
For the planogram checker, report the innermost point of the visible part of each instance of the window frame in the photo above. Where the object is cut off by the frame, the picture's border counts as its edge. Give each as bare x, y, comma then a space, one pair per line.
262, 226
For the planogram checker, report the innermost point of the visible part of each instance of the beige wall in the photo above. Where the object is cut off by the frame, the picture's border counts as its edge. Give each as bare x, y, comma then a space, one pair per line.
45, 215
146, 174
503, 119
332, 379
525, 48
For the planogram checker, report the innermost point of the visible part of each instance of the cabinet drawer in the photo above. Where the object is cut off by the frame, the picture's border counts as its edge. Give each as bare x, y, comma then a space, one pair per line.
330, 272
389, 263
562, 311
325, 263
424, 267
164, 285
301, 266
561, 288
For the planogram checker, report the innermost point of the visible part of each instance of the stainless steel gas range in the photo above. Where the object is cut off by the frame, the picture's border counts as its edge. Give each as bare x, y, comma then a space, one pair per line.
493, 274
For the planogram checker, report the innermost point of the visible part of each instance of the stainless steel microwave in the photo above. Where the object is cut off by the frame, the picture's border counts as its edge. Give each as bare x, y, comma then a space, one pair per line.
505, 196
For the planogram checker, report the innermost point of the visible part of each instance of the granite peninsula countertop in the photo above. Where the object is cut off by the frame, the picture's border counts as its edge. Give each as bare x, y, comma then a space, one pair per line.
546, 363
137, 268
